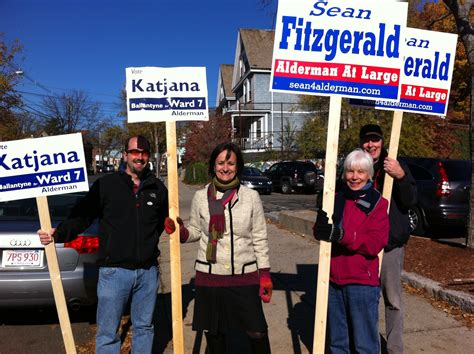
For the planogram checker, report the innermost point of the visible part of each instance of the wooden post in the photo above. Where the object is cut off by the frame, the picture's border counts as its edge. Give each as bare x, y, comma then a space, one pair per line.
392, 153
175, 256
328, 206
55, 275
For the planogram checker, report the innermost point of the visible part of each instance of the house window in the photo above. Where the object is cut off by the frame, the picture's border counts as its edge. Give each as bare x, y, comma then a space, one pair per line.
247, 91
242, 67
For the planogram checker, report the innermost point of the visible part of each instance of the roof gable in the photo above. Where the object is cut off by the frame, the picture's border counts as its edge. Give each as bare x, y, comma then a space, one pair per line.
226, 77
258, 45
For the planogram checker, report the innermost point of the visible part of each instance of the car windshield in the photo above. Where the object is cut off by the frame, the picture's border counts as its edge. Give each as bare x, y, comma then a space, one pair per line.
26, 209
252, 171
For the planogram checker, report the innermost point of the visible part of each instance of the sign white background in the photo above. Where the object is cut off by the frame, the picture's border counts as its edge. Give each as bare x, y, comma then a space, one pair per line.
388, 13
166, 87
440, 42
39, 147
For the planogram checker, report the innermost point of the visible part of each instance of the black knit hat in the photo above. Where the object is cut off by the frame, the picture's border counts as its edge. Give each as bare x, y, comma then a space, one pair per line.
370, 130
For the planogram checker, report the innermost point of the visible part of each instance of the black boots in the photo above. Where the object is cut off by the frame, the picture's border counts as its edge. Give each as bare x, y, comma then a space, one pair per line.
216, 344
259, 342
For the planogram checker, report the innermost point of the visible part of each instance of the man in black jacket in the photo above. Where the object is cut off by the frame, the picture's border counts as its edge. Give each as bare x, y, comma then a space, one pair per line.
404, 196
131, 206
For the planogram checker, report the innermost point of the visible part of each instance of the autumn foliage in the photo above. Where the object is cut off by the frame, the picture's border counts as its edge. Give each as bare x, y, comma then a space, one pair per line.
203, 137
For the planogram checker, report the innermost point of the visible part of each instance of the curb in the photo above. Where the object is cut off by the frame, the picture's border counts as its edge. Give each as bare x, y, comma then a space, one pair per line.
302, 221
458, 298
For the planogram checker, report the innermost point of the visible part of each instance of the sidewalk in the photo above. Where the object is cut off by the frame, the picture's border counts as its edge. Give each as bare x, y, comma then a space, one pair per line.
290, 314
302, 222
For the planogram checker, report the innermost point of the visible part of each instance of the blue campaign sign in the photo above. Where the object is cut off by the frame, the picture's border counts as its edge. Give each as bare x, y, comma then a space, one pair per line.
427, 74
339, 47
41, 167
166, 94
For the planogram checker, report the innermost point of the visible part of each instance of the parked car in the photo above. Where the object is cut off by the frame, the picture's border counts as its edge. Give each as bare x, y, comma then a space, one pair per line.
443, 192
24, 275
253, 178
108, 168
289, 176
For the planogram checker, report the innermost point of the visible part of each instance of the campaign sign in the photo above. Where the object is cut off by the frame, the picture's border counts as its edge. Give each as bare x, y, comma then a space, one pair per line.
40, 167
166, 94
427, 74
339, 47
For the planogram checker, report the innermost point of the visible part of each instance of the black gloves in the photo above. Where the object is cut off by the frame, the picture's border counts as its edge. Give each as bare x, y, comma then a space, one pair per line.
324, 231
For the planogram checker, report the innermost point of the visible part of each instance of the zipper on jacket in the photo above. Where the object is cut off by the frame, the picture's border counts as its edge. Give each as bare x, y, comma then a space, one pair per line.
231, 240
137, 208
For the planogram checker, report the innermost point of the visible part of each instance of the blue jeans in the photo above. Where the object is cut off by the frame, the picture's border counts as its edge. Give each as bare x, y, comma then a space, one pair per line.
353, 319
116, 286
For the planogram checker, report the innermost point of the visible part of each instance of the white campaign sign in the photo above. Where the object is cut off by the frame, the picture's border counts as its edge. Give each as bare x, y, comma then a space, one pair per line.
157, 94
40, 167
339, 47
427, 74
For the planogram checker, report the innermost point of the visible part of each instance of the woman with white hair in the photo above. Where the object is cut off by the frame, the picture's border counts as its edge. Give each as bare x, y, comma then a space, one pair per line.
359, 231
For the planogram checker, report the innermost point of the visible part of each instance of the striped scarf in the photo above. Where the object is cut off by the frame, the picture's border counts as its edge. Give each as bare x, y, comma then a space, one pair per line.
216, 211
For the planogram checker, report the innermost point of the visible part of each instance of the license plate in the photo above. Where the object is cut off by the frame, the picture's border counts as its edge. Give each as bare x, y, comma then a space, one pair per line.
18, 258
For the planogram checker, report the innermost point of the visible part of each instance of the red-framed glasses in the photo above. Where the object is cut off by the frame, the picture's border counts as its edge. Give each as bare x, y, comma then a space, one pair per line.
136, 152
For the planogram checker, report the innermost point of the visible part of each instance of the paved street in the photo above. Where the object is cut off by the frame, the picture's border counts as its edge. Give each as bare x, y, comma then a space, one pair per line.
278, 202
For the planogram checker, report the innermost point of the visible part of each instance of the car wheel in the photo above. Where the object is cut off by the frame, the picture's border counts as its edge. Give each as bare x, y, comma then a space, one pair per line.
310, 178
285, 187
416, 221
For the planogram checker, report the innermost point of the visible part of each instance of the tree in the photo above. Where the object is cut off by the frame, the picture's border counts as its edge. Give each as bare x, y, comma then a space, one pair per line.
463, 15
203, 137
288, 139
9, 98
69, 113
311, 138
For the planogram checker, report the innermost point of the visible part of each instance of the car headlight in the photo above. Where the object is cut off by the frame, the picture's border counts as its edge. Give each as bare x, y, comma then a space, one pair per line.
269, 182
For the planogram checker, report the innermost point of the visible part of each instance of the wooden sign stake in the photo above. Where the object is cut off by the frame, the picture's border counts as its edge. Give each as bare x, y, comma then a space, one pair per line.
175, 255
392, 153
55, 275
328, 206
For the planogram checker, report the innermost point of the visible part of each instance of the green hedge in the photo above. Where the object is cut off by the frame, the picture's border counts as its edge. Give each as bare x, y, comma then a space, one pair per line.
196, 173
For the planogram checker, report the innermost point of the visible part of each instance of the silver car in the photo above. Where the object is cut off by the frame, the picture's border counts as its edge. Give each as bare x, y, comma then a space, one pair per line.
24, 275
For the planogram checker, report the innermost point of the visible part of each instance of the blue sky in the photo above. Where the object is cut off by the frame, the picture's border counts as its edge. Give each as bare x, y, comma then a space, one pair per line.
86, 45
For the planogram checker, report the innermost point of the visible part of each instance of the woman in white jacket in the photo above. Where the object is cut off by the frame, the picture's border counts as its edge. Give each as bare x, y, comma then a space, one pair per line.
232, 265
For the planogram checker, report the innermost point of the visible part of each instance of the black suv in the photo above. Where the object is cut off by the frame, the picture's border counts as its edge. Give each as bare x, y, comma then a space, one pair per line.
288, 176
443, 192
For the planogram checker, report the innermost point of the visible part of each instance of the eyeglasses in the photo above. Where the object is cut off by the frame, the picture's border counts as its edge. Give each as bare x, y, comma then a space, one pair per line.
136, 152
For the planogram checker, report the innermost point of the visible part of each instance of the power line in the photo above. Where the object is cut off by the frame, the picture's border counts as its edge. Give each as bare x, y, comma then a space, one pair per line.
49, 96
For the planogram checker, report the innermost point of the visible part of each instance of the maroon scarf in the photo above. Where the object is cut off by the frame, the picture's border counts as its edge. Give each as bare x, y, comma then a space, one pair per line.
217, 218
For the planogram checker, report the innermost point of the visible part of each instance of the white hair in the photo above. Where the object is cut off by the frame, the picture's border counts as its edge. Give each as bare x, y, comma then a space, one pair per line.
359, 159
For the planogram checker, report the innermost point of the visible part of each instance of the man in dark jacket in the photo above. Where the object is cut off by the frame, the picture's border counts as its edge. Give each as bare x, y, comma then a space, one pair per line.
131, 206
404, 196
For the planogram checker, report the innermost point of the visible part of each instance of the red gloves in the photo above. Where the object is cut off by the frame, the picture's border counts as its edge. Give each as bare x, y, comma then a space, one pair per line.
170, 227
183, 231
266, 285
